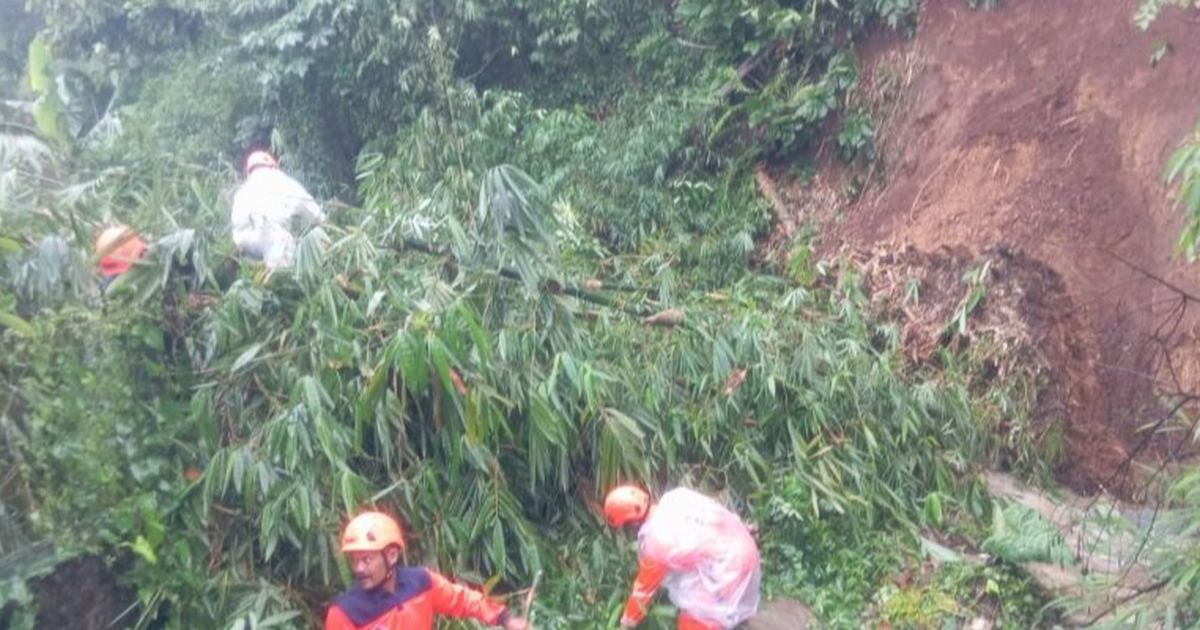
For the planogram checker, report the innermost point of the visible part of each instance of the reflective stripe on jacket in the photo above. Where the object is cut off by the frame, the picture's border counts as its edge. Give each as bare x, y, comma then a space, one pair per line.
420, 594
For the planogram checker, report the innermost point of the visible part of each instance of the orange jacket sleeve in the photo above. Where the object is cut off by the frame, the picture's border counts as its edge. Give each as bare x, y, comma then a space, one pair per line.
335, 619
459, 601
650, 576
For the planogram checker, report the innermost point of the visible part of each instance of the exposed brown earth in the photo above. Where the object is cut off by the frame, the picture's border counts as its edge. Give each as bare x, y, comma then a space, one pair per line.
1043, 128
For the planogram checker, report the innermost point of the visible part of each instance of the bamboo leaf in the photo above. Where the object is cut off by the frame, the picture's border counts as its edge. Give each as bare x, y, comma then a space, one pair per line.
246, 357
439, 356
143, 548
9, 246
17, 324
409, 354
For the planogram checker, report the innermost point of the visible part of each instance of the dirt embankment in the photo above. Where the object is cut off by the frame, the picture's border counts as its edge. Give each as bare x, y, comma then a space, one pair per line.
1023, 322
1044, 127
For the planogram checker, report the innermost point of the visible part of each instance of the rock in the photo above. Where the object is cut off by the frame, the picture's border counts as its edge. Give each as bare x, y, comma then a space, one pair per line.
783, 614
982, 623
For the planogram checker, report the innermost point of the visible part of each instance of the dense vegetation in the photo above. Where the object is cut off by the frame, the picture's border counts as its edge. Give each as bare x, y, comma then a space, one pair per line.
513, 185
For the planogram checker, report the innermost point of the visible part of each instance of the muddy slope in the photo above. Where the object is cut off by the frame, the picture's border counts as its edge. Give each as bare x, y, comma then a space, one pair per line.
1044, 126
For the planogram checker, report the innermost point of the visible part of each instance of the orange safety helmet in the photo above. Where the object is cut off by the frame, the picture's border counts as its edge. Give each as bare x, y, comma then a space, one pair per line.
625, 504
260, 158
118, 247
371, 531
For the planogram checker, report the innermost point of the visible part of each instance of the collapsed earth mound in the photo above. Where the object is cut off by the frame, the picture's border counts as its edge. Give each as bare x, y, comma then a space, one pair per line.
1040, 128
1017, 316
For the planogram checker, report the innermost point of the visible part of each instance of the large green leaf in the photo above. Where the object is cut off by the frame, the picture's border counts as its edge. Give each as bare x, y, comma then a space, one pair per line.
16, 323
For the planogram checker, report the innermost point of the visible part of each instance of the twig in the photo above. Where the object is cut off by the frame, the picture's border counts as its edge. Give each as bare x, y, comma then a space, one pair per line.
528, 604
1071, 153
488, 59
690, 44
746, 68
924, 185
1134, 595
1153, 276
783, 217
121, 616
227, 511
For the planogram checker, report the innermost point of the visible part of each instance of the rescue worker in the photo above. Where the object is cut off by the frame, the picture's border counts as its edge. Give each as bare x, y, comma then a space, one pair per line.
701, 552
394, 597
118, 247
269, 208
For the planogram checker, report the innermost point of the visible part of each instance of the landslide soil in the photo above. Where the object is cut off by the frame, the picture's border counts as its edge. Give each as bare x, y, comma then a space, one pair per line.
1044, 128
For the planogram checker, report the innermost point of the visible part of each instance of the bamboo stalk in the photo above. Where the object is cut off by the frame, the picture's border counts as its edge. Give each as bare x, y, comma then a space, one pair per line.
573, 289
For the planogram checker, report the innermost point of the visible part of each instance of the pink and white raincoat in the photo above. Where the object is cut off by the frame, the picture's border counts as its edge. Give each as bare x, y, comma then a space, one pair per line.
705, 557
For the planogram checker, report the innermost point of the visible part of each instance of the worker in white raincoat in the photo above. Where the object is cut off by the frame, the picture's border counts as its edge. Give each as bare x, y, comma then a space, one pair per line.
701, 552
268, 210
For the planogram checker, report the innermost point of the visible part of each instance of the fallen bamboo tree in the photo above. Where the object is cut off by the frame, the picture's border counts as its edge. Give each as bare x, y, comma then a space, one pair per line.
587, 291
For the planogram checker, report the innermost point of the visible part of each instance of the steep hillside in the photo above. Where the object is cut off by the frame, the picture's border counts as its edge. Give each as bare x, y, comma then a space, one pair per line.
1044, 127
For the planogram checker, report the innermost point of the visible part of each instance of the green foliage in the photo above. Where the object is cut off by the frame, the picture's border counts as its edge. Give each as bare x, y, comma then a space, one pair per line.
1184, 169
434, 351
1179, 559
172, 120
1166, 534
21, 27
958, 592
828, 563
857, 137
976, 280
83, 418
47, 109
22, 564
983, 4
1149, 10
1020, 535
1174, 602
475, 407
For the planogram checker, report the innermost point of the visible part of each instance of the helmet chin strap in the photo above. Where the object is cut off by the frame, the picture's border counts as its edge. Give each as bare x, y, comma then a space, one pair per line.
390, 577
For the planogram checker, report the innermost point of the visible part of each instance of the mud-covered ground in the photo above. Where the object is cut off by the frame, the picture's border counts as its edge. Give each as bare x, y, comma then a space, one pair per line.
1042, 128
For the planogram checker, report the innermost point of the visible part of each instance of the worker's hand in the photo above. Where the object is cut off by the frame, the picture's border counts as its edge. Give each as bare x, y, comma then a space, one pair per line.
627, 622
517, 623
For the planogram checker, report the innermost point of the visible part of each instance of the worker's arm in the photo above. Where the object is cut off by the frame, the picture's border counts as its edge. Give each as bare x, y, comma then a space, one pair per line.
304, 206
310, 211
459, 601
650, 576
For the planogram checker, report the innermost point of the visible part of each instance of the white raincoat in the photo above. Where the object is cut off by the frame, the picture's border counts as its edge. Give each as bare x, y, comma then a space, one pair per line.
268, 209
705, 557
